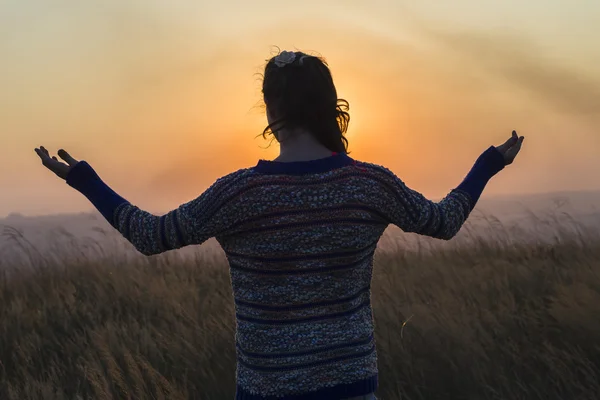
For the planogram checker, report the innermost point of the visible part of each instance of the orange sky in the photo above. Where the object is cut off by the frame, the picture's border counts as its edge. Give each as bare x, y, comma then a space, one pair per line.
161, 98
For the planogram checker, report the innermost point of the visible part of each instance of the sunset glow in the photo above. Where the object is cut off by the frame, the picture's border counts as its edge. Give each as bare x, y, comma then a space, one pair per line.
162, 98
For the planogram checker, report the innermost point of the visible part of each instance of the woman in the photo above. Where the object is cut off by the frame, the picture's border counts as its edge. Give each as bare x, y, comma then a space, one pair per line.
299, 233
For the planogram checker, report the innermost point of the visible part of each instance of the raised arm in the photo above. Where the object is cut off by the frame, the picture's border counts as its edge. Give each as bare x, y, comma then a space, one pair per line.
191, 223
211, 214
412, 212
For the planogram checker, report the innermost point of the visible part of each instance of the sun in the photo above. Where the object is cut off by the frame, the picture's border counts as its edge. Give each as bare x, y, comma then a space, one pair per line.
349, 94
363, 111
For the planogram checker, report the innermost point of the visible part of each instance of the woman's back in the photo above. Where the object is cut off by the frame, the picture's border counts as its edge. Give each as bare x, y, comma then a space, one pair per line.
301, 262
300, 239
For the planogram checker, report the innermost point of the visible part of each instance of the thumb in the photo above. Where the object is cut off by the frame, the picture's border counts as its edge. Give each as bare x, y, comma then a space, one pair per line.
67, 157
513, 151
509, 143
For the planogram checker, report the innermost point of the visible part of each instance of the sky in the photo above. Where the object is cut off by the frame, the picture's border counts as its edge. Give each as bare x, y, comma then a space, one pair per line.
163, 97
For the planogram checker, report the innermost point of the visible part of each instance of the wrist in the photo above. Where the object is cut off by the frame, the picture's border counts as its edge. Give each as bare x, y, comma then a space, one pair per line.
81, 175
491, 162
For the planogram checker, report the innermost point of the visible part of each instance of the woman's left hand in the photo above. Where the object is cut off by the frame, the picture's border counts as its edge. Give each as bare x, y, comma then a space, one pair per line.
59, 168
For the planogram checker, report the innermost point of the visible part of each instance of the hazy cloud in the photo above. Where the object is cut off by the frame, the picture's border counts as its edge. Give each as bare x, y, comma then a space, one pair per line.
167, 92
523, 63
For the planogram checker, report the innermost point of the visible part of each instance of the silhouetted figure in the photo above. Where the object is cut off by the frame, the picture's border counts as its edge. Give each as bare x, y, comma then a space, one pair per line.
299, 233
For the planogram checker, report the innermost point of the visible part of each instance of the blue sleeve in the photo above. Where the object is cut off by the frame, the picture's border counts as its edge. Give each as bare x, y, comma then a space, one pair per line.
413, 212
83, 178
194, 222
487, 165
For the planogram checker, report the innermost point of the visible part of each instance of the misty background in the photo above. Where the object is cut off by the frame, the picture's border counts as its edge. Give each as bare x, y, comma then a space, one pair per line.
162, 98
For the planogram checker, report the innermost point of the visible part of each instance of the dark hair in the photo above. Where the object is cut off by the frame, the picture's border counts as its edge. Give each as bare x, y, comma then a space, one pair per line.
301, 94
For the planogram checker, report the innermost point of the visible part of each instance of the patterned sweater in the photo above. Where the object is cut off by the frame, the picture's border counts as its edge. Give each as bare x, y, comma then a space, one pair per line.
300, 239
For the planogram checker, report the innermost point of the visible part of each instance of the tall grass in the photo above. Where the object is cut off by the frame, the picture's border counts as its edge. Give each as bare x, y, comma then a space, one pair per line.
495, 318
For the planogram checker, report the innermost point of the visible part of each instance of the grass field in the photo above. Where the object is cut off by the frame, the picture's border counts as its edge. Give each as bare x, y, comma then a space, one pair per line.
494, 320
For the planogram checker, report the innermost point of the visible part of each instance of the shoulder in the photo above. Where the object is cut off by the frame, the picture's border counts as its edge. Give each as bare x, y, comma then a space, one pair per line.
235, 176
231, 181
220, 191
376, 170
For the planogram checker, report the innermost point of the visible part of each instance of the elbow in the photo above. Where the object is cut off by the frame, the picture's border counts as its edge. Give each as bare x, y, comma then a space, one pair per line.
440, 235
446, 237
449, 228
446, 234
149, 248
147, 251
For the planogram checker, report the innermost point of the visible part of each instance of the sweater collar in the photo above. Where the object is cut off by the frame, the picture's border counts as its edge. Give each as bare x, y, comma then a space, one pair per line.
337, 160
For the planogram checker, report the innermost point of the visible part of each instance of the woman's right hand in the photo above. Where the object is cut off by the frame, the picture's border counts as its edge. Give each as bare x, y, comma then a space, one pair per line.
511, 148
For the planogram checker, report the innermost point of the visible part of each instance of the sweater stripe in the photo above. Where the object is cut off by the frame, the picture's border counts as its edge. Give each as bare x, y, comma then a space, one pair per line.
163, 234
177, 228
117, 215
441, 222
126, 232
309, 364
290, 307
312, 223
305, 319
308, 211
317, 180
276, 355
298, 271
339, 254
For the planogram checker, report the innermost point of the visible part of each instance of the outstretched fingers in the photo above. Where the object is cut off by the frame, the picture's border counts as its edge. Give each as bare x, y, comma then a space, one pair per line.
514, 150
503, 148
43, 154
67, 157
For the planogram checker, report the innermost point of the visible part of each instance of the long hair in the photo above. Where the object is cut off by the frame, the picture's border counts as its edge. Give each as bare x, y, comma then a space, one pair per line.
298, 92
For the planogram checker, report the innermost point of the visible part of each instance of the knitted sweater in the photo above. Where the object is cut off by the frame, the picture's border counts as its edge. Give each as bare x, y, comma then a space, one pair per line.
300, 239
